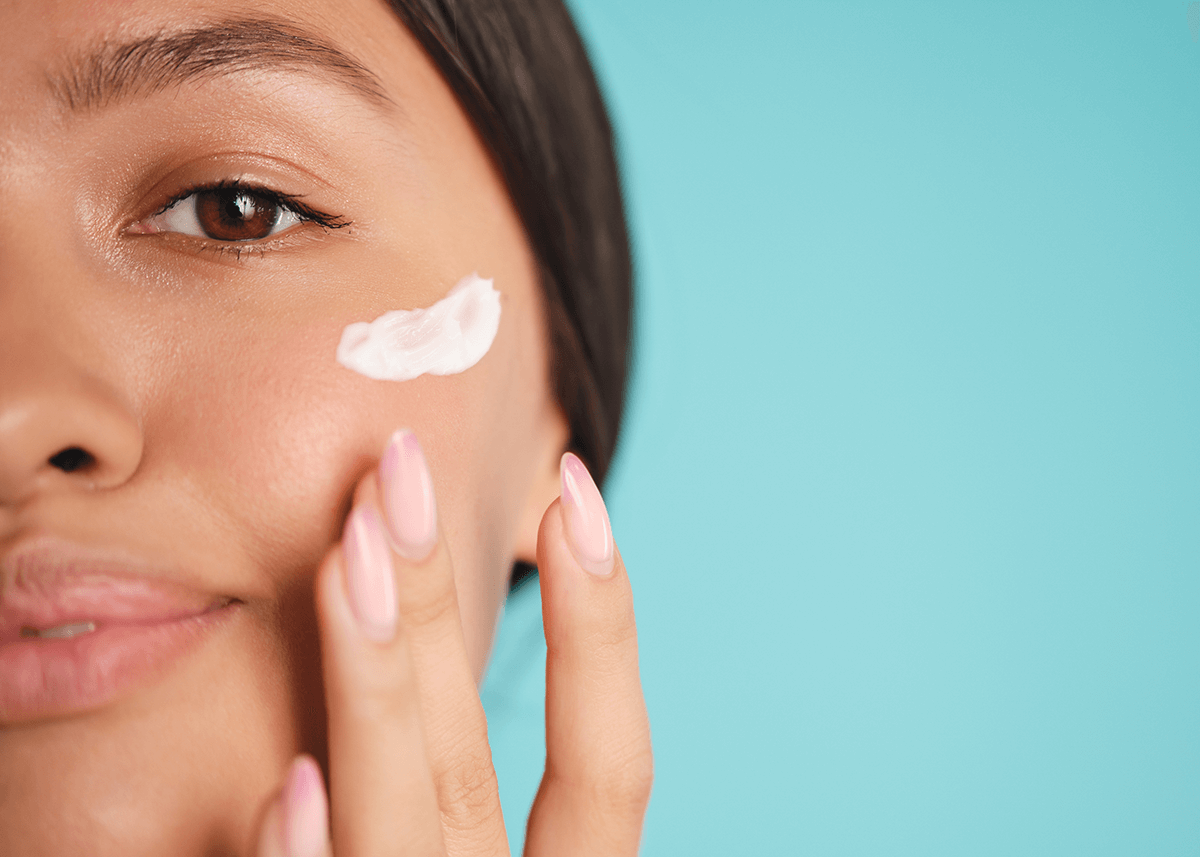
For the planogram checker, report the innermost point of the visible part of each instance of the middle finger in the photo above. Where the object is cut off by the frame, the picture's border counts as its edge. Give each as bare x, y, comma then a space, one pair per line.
455, 726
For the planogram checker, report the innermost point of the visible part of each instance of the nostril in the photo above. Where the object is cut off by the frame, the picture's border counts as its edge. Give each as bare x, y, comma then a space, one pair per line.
71, 459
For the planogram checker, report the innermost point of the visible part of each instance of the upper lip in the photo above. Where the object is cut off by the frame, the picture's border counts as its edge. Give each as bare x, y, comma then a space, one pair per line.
49, 583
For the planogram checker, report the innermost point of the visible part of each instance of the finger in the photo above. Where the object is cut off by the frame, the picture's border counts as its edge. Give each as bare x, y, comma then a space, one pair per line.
270, 835
296, 823
599, 766
382, 795
455, 727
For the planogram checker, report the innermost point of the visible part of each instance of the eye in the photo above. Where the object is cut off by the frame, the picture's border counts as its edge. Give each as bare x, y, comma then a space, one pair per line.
232, 213
226, 213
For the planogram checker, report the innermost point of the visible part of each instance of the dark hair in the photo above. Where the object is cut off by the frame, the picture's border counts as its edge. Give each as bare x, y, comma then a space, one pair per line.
521, 73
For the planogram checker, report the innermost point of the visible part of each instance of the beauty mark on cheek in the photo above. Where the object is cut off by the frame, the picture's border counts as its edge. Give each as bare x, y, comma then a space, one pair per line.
444, 339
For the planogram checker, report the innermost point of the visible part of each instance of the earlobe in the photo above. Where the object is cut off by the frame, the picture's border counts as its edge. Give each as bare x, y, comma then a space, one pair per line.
544, 487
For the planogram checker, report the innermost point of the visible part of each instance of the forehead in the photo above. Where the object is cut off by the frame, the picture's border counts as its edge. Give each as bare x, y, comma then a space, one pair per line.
83, 19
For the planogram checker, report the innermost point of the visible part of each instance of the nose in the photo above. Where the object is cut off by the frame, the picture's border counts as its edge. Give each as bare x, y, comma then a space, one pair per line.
61, 427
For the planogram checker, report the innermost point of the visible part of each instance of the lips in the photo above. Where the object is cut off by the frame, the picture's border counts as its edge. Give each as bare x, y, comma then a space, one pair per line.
79, 629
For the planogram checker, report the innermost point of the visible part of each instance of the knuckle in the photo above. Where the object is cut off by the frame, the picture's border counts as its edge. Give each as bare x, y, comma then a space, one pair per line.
619, 637
386, 693
628, 783
619, 783
435, 608
467, 791
390, 705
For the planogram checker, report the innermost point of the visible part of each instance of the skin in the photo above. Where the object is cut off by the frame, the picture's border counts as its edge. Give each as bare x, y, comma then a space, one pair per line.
229, 446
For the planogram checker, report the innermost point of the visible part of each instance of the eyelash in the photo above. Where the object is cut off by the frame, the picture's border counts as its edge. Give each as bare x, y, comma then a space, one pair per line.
289, 202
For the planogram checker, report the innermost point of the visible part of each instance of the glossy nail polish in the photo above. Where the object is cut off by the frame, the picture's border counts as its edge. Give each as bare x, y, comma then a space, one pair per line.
305, 810
369, 578
585, 519
408, 496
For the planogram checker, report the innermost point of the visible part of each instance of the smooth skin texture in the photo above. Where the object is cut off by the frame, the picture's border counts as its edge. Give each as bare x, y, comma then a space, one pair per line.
598, 770
228, 446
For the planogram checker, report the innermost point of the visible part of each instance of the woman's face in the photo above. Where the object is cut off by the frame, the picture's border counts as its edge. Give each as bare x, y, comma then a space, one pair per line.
198, 374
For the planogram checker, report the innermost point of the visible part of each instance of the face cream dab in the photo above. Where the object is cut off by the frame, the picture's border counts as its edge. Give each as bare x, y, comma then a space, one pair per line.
444, 339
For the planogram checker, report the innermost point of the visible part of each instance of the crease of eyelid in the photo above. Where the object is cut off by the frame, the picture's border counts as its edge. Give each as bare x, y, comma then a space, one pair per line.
119, 70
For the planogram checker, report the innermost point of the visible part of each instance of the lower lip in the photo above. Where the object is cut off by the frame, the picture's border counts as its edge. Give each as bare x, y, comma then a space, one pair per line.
44, 678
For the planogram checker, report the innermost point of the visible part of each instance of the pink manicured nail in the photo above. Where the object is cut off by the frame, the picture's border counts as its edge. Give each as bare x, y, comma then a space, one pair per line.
585, 518
305, 810
408, 496
369, 577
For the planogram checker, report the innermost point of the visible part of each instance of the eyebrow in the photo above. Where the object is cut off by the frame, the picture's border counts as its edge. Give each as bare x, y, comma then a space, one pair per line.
117, 71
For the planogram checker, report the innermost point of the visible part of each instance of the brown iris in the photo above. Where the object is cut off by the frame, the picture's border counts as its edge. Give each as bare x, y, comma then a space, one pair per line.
236, 214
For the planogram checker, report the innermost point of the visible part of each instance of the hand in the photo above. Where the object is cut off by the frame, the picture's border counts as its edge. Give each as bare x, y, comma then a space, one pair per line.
410, 766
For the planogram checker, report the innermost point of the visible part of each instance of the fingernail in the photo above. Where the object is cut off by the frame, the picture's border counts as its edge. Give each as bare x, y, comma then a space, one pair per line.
369, 578
408, 496
305, 810
585, 518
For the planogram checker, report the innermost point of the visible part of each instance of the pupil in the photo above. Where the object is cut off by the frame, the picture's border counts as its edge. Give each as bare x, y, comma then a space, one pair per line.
230, 214
242, 208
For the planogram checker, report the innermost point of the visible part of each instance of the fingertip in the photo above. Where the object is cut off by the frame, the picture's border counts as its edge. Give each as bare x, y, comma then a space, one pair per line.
554, 549
332, 604
305, 810
270, 835
585, 517
407, 498
550, 529
577, 603
367, 492
370, 577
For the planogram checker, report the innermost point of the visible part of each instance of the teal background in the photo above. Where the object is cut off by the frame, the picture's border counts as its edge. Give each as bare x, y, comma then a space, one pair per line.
910, 486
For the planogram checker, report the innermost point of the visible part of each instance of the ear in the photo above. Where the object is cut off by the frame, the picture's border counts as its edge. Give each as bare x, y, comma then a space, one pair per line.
545, 486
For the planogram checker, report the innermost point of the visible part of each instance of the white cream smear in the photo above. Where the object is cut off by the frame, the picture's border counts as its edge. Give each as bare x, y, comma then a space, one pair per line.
444, 339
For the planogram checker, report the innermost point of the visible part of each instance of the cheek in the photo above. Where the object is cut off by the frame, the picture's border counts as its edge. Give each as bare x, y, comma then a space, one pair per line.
270, 435
275, 434
260, 425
